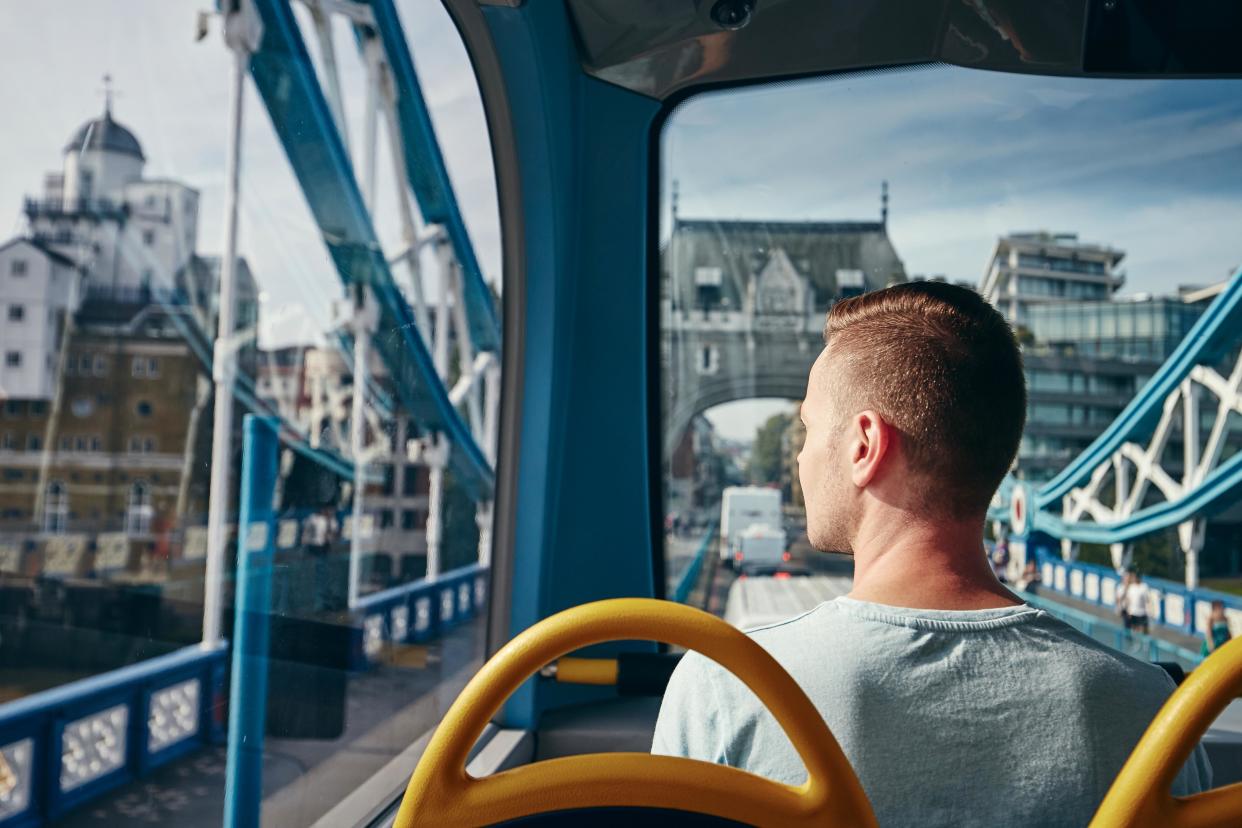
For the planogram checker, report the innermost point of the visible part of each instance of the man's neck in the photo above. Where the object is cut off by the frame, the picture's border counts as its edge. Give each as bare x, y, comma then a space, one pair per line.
926, 566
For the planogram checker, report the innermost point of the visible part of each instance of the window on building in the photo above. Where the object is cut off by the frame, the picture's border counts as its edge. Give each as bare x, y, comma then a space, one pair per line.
153, 367
8, 441
38, 408
85, 364
13, 359
17, 267
148, 238
409, 479
34, 442
56, 508
17, 313
143, 408
709, 360
12, 408
385, 518
81, 443
101, 365
139, 511
96, 443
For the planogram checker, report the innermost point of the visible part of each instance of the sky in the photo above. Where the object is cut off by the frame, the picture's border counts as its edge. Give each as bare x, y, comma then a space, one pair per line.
172, 92
1152, 168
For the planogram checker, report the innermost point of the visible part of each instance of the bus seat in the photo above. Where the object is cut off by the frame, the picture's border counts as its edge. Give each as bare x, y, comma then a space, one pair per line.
621, 788
1140, 796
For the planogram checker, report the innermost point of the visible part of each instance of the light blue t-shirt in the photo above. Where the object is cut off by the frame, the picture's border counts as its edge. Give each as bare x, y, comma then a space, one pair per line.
956, 718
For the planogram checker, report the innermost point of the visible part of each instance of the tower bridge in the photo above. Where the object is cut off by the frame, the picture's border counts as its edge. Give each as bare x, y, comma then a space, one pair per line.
744, 313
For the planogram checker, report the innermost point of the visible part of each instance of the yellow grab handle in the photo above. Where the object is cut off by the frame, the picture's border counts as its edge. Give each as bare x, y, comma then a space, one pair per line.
1140, 796
600, 671
441, 793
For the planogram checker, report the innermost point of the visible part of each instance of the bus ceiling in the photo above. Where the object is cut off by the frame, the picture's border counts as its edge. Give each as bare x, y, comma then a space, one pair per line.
659, 48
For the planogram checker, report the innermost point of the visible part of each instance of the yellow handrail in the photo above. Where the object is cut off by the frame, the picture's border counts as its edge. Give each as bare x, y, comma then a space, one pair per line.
441, 793
1140, 796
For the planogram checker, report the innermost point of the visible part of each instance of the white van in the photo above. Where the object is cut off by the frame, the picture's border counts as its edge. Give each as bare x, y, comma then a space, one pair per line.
743, 506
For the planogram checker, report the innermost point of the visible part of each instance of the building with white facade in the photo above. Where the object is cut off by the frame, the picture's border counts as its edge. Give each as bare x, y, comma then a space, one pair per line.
98, 230
1027, 269
107, 317
130, 232
39, 288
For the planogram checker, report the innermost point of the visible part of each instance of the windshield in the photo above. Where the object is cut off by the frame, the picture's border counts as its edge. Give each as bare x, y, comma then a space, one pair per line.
302, 475
1094, 214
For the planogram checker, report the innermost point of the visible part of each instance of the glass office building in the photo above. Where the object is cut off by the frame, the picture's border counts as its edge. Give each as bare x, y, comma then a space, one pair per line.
1084, 362
1029, 270
1133, 330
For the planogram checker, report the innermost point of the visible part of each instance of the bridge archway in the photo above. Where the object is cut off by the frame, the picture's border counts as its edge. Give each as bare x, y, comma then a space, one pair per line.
716, 391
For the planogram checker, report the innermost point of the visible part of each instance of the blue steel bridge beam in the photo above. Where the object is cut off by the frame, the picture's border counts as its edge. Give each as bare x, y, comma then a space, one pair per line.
1063, 507
289, 86
1219, 490
1219, 329
244, 389
428, 176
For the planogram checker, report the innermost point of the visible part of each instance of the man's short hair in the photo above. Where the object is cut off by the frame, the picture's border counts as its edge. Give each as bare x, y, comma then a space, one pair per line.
941, 365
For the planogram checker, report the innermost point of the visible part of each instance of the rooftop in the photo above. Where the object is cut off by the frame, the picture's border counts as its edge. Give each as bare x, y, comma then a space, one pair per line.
103, 133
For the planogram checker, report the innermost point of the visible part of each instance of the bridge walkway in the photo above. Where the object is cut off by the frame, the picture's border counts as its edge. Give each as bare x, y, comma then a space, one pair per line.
1173, 637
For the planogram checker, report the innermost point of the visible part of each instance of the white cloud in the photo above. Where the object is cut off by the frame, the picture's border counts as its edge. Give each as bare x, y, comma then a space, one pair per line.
1146, 166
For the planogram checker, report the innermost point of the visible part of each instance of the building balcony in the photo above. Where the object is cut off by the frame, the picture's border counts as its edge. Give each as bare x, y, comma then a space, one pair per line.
95, 209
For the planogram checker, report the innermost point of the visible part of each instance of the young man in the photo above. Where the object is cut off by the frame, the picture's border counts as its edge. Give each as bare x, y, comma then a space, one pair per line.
1136, 594
956, 703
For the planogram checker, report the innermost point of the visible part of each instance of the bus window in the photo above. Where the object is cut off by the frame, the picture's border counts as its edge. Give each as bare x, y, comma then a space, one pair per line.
1092, 212
307, 467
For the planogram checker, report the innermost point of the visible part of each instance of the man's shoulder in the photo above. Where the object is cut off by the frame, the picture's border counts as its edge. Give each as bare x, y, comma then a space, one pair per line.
779, 639
1095, 663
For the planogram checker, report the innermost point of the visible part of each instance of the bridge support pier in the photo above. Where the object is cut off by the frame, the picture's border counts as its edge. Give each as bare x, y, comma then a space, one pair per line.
1190, 537
432, 451
242, 33
1122, 554
363, 325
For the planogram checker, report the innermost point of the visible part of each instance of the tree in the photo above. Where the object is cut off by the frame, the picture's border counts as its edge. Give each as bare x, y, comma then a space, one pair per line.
767, 456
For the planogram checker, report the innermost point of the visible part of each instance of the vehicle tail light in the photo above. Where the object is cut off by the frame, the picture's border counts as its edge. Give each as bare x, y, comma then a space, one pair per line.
785, 556
781, 575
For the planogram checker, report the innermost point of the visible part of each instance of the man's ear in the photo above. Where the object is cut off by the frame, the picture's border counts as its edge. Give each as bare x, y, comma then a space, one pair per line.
872, 439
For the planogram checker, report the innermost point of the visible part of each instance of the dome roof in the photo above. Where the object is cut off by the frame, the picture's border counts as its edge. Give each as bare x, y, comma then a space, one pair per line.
106, 134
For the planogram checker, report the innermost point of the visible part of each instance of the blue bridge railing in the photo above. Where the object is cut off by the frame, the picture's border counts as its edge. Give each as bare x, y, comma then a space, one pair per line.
1146, 647
65, 746
417, 611
690, 576
1170, 604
